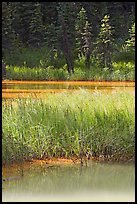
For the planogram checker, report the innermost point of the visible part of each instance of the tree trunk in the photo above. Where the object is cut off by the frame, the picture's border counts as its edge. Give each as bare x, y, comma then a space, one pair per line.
67, 49
3, 70
87, 61
69, 60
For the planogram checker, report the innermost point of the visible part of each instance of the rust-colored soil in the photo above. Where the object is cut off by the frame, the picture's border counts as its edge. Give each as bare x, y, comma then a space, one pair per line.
15, 168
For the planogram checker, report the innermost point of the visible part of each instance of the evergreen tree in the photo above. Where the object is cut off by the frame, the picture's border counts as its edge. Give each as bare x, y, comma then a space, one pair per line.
36, 27
87, 43
8, 33
51, 41
3, 70
22, 22
131, 41
105, 42
83, 36
80, 24
53, 24
66, 28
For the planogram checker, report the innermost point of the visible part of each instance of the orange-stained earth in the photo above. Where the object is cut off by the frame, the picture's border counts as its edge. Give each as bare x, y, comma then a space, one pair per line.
103, 83
24, 89
15, 168
94, 83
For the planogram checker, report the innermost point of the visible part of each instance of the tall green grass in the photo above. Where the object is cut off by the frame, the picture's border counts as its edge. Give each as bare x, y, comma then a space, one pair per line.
42, 64
25, 73
66, 124
121, 72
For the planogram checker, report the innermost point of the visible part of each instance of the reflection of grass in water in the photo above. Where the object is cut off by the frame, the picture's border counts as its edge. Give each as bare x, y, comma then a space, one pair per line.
65, 124
97, 178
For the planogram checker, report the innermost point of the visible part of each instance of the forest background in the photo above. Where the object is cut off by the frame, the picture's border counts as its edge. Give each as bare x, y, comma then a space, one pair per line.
68, 40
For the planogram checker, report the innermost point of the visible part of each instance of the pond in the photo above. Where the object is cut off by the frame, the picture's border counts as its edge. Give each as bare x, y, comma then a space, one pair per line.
15, 89
71, 182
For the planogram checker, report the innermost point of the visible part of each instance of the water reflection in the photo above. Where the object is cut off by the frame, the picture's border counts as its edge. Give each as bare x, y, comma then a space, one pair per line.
23, 89
73, 182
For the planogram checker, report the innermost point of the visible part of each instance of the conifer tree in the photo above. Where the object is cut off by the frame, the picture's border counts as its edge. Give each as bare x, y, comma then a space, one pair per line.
8, 33
51, 41
66, 28
22, 18
83, 36
36, 27
131, 41
105, 43
80, 24
87, 43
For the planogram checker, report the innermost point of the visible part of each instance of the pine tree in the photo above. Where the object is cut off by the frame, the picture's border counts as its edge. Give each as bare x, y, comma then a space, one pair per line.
105, 43
8, 33
87, 43
80, 24
53, 23
131, 41
51, 40
66, 32
36, 27
83, 36
3, 70
23, 13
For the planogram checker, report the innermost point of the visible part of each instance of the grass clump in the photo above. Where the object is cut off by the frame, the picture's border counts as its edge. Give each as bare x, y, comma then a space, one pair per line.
65, 124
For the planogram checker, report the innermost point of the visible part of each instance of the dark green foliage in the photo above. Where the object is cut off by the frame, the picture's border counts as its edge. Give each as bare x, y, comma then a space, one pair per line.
68, 31
3, 70
131, 41
80, 24
127, 52
84, 36
125, 56
36, 27
104, 43
87, 43
8, 33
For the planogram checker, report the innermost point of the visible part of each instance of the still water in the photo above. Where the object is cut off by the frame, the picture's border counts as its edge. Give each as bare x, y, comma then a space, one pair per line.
98, 182
23, 89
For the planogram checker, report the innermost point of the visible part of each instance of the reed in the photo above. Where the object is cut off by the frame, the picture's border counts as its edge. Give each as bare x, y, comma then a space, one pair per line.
66, 124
